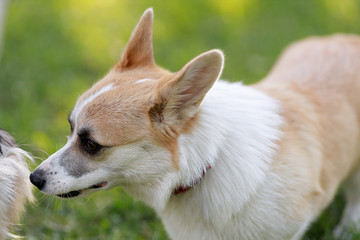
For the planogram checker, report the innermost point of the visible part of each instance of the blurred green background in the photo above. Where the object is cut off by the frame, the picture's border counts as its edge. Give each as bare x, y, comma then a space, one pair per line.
54, 50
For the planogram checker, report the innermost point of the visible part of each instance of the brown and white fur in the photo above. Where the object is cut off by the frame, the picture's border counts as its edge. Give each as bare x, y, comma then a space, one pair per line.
15, 184
278, 150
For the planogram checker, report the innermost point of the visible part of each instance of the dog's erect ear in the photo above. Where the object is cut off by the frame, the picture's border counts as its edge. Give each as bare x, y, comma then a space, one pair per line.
180, 97
139, 50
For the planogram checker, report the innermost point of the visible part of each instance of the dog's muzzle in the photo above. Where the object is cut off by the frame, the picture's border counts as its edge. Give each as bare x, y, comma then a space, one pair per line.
39, 180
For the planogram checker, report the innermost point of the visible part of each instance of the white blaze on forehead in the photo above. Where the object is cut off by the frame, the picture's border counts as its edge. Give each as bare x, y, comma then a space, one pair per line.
80, 105
143, 80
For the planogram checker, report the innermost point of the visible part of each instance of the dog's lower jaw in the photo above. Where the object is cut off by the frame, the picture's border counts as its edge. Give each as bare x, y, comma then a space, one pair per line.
70, 194
77, 193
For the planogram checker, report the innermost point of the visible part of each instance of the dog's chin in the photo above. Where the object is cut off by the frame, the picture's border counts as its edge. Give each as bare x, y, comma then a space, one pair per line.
83, 191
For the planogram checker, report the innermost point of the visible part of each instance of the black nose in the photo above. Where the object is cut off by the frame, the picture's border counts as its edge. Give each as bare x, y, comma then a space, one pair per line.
37, 178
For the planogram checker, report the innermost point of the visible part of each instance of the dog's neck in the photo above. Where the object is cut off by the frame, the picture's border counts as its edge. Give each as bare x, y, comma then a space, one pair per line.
234, 120
184, 188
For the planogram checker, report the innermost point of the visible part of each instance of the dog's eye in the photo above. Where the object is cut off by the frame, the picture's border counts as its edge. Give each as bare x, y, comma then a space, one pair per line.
92, 147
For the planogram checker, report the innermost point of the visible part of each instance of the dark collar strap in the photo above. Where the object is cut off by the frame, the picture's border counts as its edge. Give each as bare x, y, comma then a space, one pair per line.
184, 188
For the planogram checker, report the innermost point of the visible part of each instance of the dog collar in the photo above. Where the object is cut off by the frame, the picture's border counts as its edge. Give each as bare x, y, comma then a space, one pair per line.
184, 188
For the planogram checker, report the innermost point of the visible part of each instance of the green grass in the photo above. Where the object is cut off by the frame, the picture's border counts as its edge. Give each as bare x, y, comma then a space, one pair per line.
54, 50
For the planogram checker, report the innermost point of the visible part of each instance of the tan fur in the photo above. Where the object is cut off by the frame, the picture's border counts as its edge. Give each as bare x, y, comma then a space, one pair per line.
123, 127
139, 51
322, 113
145, 113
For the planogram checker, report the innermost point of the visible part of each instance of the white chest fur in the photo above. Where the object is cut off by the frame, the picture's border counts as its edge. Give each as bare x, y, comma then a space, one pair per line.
236, 133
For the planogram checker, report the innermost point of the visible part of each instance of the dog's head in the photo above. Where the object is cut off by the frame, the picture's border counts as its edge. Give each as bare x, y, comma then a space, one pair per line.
124, 129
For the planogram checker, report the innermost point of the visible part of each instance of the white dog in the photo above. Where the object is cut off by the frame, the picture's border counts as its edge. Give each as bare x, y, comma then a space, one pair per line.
15, 185
220, 160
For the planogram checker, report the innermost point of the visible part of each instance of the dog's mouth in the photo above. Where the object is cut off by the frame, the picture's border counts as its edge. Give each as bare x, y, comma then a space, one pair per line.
78, 192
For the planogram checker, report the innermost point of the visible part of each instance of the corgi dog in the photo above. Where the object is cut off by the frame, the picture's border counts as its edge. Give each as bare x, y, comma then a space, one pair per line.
220, 160
15, 185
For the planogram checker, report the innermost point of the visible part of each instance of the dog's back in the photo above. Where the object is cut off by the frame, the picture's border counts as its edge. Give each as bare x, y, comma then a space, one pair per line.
317, 81
324, 65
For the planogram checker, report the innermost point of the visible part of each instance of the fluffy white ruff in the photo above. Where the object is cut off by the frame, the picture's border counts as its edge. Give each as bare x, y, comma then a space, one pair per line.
235, 133
15, 188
